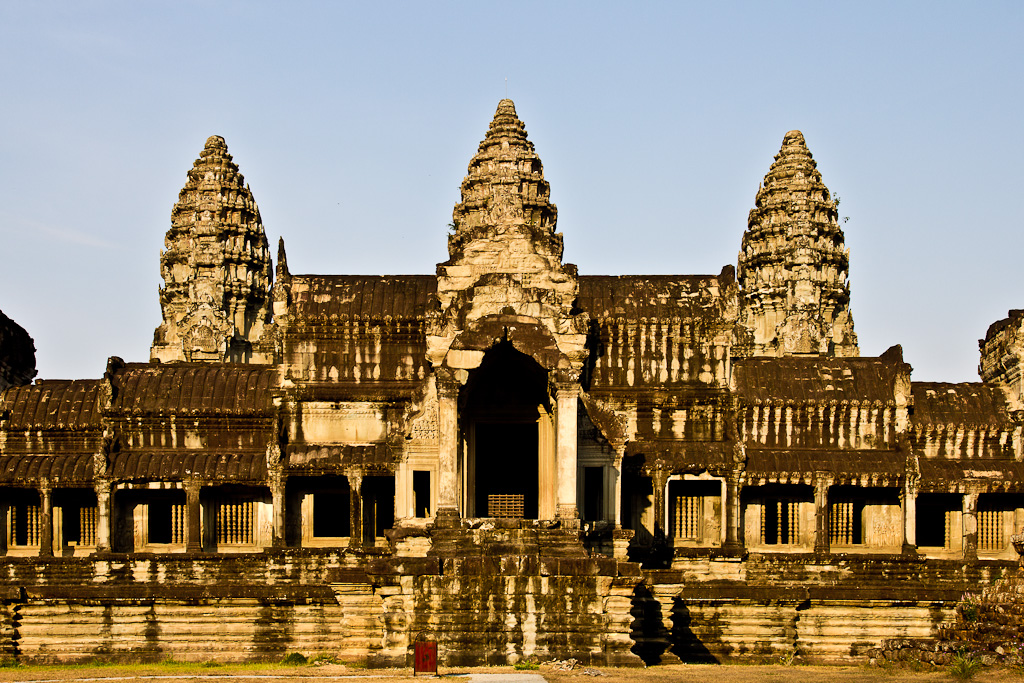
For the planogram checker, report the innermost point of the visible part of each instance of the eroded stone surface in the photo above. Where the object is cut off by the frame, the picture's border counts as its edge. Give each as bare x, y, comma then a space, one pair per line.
215, 265
793, 265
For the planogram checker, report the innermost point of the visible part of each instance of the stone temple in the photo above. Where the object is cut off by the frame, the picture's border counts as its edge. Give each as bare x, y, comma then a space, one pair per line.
507, 456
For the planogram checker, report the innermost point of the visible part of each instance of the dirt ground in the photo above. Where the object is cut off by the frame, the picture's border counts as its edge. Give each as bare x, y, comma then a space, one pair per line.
684, 673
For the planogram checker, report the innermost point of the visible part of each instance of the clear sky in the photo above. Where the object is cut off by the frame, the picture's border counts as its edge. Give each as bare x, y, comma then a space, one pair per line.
354, 123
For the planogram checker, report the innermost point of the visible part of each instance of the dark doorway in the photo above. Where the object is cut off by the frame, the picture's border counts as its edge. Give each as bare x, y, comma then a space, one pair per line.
501, 404
378, 507
506, 469
421, 493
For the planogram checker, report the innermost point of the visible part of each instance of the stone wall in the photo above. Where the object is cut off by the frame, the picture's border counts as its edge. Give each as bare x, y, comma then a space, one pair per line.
779, 607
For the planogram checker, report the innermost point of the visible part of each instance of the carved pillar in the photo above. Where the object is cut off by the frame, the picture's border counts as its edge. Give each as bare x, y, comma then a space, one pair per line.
567, 438
194, 529
908, 501
970, 523
45, 520
355, 514
103, 516
659, 480
615, 474
733, 513
822, 482
4, 526
278, 501
448, 454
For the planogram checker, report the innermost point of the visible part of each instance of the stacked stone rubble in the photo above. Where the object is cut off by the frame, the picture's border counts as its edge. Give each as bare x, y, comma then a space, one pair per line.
216, 267
987, 625
793, 263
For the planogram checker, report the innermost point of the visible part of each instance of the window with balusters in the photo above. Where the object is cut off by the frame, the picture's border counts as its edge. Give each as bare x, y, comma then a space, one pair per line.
845, 522
780, 521
23, 524
235, 520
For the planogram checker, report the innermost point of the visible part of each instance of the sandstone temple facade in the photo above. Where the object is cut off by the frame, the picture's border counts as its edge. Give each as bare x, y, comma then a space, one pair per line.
516, 459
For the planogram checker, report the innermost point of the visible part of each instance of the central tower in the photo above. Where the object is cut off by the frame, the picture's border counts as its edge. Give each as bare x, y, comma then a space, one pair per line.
504, 285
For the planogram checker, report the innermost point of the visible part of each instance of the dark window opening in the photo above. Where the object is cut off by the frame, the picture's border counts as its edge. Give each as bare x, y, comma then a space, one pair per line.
378, 506
331, 513
421, 493
160, 525
934, 518
593, 493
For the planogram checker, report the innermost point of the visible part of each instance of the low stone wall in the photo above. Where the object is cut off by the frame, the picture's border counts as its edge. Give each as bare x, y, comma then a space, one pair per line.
781, 607
487, 609
189, 608
987, 623
488, 604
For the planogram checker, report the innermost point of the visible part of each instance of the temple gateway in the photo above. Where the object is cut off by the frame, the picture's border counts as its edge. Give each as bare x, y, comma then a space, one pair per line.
507, 456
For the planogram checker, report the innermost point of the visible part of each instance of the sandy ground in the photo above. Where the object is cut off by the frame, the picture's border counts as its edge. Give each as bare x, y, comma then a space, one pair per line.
696, 673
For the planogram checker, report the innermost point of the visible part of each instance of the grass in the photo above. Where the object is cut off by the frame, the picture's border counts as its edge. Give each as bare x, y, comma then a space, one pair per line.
964, 666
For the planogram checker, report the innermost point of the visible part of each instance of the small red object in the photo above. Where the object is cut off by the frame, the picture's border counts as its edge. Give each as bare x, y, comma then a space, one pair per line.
425, 657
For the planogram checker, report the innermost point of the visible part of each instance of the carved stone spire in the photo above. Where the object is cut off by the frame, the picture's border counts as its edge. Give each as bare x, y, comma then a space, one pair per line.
216, 266
505, 190
793, 266
505, 272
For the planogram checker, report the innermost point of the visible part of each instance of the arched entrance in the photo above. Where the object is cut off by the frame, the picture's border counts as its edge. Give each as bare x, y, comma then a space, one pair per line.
505, 414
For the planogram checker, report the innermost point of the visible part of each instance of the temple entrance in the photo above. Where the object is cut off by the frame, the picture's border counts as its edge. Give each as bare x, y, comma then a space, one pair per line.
509, 437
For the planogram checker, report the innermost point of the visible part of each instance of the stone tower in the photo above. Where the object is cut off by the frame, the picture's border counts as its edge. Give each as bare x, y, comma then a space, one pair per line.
216, 267
793, 265
504, 286
1002, 357
505, 256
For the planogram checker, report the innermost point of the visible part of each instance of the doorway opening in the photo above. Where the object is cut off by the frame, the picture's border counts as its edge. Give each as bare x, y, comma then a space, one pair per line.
505, 410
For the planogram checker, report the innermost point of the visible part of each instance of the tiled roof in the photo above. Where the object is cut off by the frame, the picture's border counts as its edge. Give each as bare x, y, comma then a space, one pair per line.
172, 465
816, 379
647, 296
969, 403
29, 469
361, 297
231, 389
53, 404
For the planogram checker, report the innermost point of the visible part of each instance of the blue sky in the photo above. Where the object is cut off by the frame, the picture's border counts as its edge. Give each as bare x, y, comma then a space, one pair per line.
354, 123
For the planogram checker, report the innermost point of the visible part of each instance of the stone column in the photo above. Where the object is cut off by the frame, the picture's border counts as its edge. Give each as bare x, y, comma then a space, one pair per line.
659, 480
908, 501
103, 517
616, 469
194, 528
355, 508
4, 526
448, 453
970, 523
822, 482
277, 498
567, 438
45, 520
733, 513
